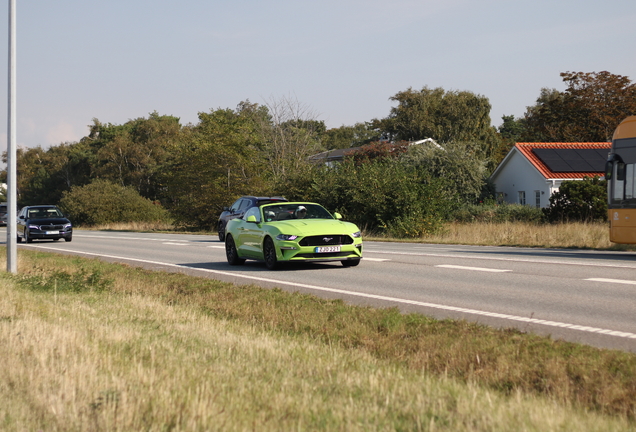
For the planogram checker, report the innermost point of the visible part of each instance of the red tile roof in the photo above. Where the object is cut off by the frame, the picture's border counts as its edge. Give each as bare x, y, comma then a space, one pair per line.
526, 150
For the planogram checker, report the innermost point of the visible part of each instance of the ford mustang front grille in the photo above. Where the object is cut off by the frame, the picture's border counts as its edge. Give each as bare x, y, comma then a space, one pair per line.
326, 240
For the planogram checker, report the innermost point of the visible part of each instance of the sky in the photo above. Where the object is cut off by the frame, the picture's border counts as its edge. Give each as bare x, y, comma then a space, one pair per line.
117, 60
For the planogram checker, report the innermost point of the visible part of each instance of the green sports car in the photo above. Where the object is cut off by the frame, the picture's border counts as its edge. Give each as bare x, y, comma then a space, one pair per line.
292, 232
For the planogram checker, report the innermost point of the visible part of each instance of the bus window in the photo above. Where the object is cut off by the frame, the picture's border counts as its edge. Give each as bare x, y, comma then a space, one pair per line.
629, 181
619, 182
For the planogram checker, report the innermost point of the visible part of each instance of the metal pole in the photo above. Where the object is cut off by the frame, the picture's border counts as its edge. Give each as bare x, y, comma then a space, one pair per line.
12, 207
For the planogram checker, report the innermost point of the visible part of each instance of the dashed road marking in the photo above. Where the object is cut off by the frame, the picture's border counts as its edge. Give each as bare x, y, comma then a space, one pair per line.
482, 269
619, 281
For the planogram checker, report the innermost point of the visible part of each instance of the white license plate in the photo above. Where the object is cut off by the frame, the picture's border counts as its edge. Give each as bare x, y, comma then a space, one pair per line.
52, 232
327, 249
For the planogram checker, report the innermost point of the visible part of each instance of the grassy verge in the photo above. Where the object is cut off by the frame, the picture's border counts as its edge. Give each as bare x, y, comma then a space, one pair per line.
89, 345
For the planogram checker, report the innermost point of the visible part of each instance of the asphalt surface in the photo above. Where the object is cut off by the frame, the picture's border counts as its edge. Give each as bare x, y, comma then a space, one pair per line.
575, 295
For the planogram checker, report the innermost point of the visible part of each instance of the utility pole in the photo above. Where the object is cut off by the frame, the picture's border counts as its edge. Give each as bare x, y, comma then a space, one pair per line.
12, 206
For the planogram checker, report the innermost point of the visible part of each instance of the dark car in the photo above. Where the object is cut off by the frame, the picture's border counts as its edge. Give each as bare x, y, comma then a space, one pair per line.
43, 222
239, 208
3, 213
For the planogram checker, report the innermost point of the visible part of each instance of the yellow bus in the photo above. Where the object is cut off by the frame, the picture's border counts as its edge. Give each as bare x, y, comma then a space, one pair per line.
620, 173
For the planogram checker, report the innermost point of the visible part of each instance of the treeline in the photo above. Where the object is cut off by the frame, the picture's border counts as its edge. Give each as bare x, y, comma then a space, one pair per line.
191, 171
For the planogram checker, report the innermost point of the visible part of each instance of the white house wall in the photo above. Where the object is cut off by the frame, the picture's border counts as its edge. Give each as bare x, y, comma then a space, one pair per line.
519, 175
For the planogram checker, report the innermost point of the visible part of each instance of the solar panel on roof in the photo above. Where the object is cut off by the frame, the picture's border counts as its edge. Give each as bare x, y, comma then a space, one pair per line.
572, 160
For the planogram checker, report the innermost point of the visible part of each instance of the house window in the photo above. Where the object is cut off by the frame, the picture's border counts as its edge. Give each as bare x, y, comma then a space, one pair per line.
522, 197
537, 199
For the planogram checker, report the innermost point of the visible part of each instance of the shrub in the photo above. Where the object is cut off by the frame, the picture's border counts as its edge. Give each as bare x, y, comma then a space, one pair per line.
383, 195
102, 202
579, 200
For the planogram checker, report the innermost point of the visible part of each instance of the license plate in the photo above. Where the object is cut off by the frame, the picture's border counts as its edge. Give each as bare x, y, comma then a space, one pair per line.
327, 249
52, 232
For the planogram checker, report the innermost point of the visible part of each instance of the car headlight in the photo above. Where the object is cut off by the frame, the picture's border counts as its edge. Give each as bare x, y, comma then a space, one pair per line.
68, 225
356, 234
34, 227
286, 237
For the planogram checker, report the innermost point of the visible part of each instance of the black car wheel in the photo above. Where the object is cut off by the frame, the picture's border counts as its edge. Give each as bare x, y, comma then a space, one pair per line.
231, 253
351, 263
26, 236
221, 231
269, 252
19, 239
69, 238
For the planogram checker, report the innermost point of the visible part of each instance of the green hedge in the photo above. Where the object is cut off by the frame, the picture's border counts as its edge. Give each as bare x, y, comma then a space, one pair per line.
102, 202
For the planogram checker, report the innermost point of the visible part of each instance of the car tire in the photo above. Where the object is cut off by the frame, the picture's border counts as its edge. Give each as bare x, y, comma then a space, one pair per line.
68, 239
26, 237
351, 263
221, 231
19, 239
231, 253
269, 253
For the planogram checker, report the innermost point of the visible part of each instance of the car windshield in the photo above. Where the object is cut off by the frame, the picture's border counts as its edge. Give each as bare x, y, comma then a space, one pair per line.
44, 213
277, 212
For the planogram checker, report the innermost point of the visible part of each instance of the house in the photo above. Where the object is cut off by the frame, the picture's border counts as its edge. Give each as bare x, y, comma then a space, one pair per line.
531, 172
330, 157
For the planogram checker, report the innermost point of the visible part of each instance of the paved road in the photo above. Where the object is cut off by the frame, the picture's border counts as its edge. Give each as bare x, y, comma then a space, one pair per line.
581, 296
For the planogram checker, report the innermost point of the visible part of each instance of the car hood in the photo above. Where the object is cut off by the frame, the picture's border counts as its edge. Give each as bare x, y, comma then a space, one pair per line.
308, 227
49, 221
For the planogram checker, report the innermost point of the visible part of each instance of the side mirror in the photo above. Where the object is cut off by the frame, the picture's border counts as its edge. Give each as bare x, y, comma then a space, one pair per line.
337, 215
21, 216
251, 219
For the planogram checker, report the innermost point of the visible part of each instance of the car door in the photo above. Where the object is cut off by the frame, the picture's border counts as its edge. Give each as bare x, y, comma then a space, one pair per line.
251, 234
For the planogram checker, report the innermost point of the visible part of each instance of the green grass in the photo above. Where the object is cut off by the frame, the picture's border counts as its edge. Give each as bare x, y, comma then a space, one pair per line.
98, 346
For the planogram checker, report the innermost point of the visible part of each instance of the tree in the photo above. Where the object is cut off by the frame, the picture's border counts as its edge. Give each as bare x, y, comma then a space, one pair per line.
44, 175
216, 161
459, 116
350, 136
589, 110
461, 173
290, 134
579, 200
135, 154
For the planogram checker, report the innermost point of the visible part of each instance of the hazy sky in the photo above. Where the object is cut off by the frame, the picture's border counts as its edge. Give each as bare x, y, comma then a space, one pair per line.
117, 60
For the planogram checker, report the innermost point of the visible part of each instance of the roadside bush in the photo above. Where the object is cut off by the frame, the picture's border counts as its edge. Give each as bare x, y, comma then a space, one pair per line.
102, 202
579, 201
495, 213
384, 195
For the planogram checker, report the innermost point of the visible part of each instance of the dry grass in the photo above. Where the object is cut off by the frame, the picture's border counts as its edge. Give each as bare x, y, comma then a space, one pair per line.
155, 351
570, 235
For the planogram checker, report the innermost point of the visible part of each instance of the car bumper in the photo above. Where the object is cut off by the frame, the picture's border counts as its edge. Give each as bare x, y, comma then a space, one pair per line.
289, 251
44, 235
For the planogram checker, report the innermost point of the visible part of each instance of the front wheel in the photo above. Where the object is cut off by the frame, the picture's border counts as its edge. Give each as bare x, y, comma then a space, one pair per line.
231, 253
68, 239
351, 263
26, 237
269, 252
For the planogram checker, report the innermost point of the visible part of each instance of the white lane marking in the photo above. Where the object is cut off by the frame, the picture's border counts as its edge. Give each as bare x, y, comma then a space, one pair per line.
539, 261
175, 244
217, 247
619, 281
587, 329
483, 269
376, 259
